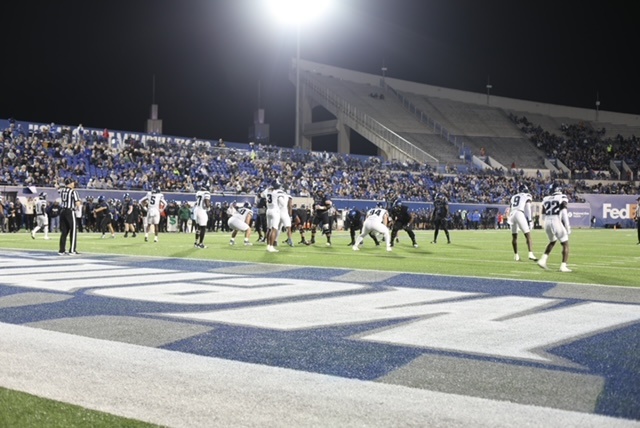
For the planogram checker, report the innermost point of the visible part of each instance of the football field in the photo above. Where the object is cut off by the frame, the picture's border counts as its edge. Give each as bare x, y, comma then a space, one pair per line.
444, 334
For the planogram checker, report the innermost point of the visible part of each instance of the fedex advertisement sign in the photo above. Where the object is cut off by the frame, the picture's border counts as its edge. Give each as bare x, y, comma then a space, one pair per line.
613, 208
628, 212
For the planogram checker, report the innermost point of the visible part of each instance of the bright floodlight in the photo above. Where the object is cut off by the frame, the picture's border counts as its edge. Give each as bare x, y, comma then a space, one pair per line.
297, 11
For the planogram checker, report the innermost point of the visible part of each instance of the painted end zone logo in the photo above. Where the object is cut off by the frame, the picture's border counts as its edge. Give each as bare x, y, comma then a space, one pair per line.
341, 322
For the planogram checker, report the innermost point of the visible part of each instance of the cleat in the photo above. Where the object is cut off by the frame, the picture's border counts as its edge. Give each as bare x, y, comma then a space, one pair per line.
202, 246
516, 258
564, 269
232, 242
448, 242
146, 239
247, 243
74, 253
126, 235
328, 244
155, 239
134, 235
351, 244
533, 258
33, 236
355, 248
433, 242
272, 249
102, 237
389, 249
46, 238
542, 264
289, 242
63, 253
415, 245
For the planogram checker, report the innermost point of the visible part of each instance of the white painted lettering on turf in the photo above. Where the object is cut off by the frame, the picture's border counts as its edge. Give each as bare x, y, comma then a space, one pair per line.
388, 304
231, 289
508, 327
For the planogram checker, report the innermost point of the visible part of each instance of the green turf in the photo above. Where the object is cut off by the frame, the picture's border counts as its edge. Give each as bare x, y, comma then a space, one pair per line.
598, 256
602, 256
22, 410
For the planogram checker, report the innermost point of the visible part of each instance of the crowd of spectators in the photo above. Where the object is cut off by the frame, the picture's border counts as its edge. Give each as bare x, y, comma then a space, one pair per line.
586, 151
96, 161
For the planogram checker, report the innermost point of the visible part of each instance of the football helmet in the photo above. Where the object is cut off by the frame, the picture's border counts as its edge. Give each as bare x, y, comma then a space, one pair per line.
397, 203
100, 199
380, 204
43, 195
247, 204
126, 196
156, 189
556, 189
523, 188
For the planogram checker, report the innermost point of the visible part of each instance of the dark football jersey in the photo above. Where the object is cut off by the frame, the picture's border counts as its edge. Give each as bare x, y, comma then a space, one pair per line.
401, 214
441, 209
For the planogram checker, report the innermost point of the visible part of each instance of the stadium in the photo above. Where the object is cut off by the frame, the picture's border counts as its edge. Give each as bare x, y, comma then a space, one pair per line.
444, 332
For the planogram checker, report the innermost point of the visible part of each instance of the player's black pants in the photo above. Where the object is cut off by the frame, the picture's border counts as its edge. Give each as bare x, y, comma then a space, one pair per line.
440, 224
103, 223
397, 226
67, 229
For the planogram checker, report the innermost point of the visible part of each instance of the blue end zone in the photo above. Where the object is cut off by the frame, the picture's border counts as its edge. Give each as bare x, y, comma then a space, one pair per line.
612, 354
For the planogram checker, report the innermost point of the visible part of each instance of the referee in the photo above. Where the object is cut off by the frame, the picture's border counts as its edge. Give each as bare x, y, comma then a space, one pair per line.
70, 201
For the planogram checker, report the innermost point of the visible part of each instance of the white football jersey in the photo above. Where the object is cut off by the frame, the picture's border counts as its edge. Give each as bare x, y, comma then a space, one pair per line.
552, 205
519, 201
242, 213
272, 198
156, 200
377, 213
201, 197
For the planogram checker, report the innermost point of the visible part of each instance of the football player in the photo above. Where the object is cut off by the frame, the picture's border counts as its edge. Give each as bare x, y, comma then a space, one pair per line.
402, 220
240, 220
321, 206
440, 217
42, 218
520, 219
556, 225
201, 216
156, 203
376, 221
355, 220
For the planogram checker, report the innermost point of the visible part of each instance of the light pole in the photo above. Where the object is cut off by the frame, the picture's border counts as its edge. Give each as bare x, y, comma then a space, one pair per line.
384, 71
597, 105
489, 86
297, 13
297, 139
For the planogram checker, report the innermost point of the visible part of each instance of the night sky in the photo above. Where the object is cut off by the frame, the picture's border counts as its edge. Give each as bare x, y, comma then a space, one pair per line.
216, 61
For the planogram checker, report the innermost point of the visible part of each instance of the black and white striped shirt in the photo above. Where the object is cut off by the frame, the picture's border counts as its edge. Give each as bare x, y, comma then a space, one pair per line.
69, 198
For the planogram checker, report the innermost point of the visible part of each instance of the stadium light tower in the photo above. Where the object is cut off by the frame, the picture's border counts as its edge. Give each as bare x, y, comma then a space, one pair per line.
297, 12
489, 87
